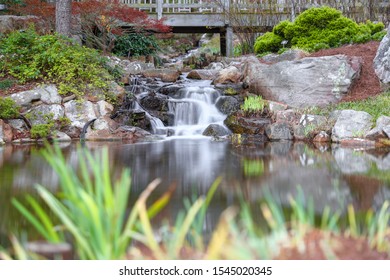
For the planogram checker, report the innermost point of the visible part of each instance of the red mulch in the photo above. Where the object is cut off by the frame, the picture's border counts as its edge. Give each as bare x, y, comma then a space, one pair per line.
368, 84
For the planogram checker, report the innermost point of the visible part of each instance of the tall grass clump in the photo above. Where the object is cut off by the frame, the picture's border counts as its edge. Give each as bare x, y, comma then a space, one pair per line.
253, 105
90, 207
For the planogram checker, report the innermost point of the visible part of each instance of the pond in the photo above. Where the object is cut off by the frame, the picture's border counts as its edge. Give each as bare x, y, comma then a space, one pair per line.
332, 176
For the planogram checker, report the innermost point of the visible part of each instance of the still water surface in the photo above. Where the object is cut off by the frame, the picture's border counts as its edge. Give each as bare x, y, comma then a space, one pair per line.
332, 176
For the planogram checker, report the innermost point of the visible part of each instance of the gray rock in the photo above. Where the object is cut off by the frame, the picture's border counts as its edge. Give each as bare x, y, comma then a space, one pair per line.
351, 124
79, 113
242, 125
386, 130
382, 59
276, 106
218, 66
41, 113
25, 98
202, 74
227, 104
49, 95
18, 124
288, 116
289, 55
229, 75
377, 132
166, 75
104, 108
216, 130
312, 81
279, 131
61, 137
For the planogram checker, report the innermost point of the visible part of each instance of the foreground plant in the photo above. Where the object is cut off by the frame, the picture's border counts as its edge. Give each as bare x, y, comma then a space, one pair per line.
90, 207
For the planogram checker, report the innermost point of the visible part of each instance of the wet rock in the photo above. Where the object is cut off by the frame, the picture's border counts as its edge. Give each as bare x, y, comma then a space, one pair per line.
166, 75
202, 74
351, 124
382, 60
279, 131
79, 113
44, 113
227, 104
289, 55
377, 132
303, 83
229, 75
155, 102
216, 130
322, 137
170, 89
230, 89
242, 125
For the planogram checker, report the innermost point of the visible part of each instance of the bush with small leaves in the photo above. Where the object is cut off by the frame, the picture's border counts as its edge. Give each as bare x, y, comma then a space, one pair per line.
318, 28
8, 108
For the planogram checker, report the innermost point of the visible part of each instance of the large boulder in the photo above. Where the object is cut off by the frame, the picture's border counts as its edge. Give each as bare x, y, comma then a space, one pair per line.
351, 124
311, 81
216, 130
43, 113
279, 131
379, 130
242, 125
202, 74
289, 55
382, 59
229, 75
79, 113
227, 104
166, 75
47, 94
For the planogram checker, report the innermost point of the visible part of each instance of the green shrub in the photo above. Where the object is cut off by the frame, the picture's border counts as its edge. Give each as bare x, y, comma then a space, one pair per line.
8, 108
269, 42
41, 131
318, 28
135, 44
75, 69
7, 83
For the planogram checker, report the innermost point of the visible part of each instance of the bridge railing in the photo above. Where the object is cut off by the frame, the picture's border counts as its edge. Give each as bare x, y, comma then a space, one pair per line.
359, 10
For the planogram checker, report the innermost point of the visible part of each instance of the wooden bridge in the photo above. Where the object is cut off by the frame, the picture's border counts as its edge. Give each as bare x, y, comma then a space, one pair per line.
228, 16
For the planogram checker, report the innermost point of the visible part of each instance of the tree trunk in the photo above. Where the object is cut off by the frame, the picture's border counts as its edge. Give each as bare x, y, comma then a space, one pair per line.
63, 17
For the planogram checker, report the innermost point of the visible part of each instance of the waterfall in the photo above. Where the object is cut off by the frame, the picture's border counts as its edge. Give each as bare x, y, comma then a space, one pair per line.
194, 109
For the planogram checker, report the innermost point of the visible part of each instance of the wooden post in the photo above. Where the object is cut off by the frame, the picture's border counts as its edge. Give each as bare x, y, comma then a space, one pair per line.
159, 9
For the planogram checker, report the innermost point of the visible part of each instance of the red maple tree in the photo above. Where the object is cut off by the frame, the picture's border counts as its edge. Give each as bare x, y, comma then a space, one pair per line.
98, 22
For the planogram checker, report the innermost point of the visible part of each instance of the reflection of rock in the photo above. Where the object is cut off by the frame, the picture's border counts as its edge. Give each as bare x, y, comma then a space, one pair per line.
351, 162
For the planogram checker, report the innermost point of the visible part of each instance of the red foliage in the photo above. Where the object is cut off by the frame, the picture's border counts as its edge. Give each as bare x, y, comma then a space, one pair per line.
45, 12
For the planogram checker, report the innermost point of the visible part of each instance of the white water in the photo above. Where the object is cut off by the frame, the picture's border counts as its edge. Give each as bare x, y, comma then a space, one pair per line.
194, 110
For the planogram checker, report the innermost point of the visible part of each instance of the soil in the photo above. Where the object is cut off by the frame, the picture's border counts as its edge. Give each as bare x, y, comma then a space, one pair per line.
368, 84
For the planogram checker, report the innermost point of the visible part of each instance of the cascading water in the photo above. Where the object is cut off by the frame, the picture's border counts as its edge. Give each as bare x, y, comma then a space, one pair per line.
194, 109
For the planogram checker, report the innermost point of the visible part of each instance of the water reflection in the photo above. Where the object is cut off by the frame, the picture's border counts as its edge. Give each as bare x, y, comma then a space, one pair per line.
332, 176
